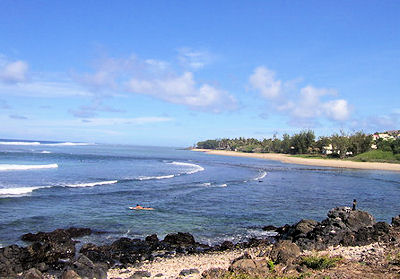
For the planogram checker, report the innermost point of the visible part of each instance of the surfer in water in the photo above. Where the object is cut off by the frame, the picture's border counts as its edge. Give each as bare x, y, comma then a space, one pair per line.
139, 207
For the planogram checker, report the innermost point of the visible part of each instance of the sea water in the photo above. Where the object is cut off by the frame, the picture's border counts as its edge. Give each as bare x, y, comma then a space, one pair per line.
50, 185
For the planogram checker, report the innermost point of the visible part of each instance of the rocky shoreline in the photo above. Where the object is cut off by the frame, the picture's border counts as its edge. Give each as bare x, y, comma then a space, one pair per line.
341, 234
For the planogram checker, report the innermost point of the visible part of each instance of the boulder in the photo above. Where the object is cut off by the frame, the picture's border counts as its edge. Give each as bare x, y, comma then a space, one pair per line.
214, 273
243, 265
70, 274
84, 267
140, 274
284, 252
32, 273
186, 272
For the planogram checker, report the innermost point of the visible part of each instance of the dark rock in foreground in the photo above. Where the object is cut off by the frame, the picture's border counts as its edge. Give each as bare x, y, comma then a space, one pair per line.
56, 250
343, 226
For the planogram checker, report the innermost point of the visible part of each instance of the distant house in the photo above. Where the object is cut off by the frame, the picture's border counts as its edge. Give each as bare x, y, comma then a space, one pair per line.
327, 150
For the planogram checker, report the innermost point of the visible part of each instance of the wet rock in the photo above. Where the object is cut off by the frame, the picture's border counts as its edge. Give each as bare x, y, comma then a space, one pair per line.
284, 252
180, 239
152, 238
226, 245
269, 228
70, 274
32, 273
186, 272
57, 235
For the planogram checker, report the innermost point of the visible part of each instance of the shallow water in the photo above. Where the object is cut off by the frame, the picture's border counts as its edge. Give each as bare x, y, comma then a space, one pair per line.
213, 197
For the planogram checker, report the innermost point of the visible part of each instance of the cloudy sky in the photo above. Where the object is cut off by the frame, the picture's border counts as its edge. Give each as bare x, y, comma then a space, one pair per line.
176, 72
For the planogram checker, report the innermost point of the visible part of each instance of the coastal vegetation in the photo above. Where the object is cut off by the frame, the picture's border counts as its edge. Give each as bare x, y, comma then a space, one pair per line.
358, 146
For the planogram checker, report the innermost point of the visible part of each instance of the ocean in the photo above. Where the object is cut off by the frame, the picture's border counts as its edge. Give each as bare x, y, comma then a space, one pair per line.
50, 185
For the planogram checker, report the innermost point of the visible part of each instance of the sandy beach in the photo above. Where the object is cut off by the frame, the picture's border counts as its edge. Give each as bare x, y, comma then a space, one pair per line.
284, 158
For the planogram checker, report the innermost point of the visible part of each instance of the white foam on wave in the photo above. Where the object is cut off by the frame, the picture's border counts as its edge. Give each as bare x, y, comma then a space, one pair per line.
206, 184
45, 144
196, 168
45, 152
91, 184
155, 177
19, 191
261, 176
19, 143
7, 167
223, 185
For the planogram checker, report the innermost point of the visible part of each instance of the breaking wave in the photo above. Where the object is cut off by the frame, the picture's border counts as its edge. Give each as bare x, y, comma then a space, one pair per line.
261, 176
195, 168
91, 184
7, 167
20, 190
45, 144
141, 178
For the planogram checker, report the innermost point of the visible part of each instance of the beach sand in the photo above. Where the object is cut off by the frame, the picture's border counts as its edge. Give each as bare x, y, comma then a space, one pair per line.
168, 268
307, 161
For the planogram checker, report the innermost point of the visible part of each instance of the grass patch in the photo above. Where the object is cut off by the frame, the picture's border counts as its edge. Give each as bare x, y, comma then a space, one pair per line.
319, 262
377, 156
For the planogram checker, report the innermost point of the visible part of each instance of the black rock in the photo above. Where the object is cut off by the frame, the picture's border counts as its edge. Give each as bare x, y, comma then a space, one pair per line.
396, 221
180, 239
269, 228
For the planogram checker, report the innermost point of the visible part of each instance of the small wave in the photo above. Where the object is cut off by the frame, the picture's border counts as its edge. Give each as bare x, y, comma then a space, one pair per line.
91, 184
19, 143
6, 167
261, 176
196, 168
222, 185
206, 184
141, 178
45, 152
67, 144
20, 190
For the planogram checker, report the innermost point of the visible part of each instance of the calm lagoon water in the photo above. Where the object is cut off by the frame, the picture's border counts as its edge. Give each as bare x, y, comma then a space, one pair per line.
49, 185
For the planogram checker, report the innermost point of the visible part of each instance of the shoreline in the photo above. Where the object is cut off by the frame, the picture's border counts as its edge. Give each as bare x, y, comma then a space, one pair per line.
284, 158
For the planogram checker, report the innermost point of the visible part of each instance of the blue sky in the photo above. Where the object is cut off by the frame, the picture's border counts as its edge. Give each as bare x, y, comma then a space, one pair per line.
176, 72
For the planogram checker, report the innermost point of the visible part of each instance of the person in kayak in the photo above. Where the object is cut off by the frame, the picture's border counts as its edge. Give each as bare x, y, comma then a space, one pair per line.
139, 207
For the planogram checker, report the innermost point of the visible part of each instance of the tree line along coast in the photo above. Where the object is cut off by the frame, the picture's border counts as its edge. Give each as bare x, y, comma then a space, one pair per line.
358, 146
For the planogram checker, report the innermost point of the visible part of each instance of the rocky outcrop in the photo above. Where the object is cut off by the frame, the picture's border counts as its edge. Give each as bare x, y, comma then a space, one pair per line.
284, 252
343, 226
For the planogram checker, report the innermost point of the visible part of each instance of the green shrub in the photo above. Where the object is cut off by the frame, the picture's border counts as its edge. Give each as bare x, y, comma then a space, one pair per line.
271, 265
317, 262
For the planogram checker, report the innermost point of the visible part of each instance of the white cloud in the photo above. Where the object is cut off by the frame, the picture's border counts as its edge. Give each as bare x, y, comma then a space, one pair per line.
183, 90
337, 109
263, 80
137, 121
304, 105
13, 72
194, 59
49, 89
